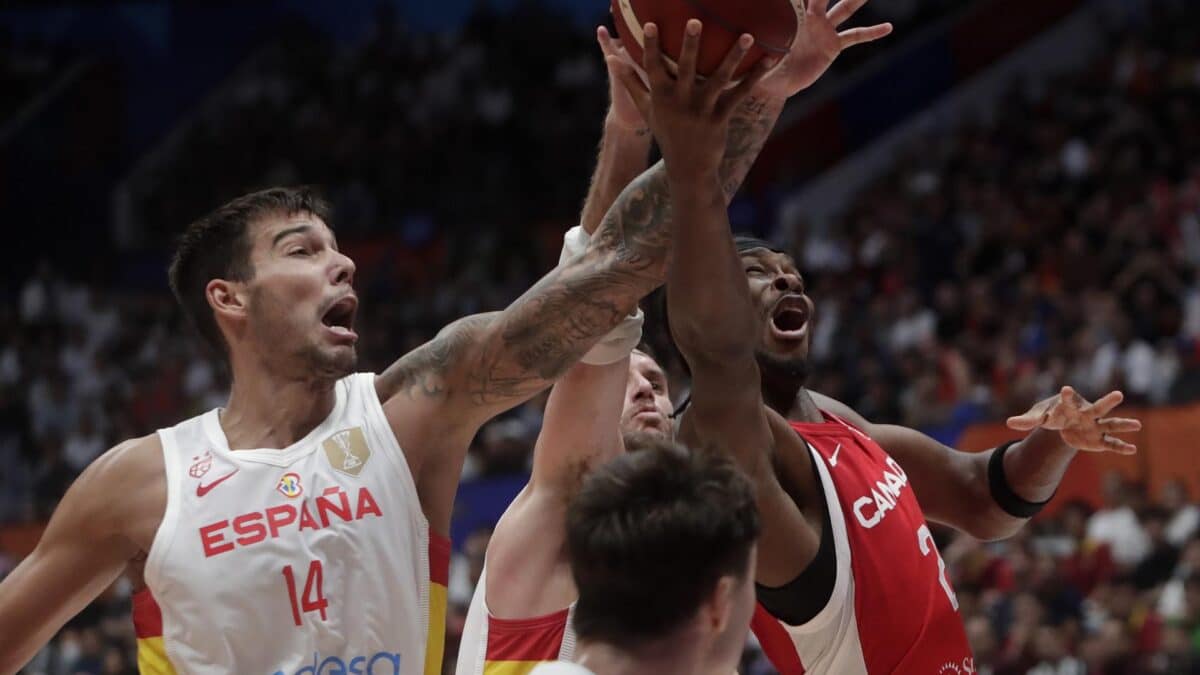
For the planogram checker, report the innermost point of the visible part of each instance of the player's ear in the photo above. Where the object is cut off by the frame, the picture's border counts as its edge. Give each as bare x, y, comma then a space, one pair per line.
718, 608
227, 298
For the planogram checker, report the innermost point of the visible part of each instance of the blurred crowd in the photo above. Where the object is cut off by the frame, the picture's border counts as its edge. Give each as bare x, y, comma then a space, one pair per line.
1052, 240
27, 66
1109, 591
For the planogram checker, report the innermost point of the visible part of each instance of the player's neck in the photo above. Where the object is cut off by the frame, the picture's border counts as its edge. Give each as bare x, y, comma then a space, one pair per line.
804, 409
654, 659
788, 397
267, 412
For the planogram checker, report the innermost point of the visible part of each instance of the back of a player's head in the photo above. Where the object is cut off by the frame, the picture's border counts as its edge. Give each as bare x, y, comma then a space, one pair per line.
218, 246
651, 534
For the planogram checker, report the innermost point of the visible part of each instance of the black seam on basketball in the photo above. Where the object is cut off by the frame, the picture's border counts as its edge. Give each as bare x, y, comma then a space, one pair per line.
707, 15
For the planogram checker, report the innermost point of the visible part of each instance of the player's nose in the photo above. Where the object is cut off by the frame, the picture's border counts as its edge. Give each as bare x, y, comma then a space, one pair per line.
343, 269
787, 283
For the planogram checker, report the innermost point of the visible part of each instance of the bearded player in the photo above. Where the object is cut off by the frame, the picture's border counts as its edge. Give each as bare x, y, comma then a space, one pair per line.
849, 578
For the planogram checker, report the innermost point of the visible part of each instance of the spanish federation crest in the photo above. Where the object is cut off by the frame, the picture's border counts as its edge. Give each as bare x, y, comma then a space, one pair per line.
347, 451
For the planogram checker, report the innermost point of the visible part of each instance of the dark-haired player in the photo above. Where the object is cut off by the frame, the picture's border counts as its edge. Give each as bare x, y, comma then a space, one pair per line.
661, 544
301, 527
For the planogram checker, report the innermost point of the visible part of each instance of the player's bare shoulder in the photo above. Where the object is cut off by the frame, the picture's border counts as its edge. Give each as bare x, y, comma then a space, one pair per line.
125, 490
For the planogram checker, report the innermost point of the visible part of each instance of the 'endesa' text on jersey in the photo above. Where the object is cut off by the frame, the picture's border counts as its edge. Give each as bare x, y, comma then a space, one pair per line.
332, 506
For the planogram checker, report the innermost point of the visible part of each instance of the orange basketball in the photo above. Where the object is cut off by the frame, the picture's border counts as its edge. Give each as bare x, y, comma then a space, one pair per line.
771, 22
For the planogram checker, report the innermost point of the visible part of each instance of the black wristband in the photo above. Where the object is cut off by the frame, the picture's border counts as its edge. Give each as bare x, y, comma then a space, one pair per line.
1002, 491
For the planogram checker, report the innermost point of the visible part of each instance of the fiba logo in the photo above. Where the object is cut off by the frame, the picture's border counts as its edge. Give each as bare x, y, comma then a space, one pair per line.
289, 486
347, 451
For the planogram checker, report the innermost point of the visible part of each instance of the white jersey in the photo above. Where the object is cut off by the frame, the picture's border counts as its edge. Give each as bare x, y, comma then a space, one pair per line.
495, 646
315, 558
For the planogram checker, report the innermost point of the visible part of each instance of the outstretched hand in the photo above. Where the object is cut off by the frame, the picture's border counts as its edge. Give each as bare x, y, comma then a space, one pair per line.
1082, 425
818, 43
689, 116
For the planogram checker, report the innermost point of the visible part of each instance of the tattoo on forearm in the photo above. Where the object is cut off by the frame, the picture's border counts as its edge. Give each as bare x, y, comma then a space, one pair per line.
423, 372
748, 131
549, 328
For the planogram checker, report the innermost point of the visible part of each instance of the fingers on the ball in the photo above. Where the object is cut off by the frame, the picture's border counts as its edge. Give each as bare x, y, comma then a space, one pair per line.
857, 36
690, 51
842, 11
605, 40
723, 75
653, 61
1106, 403
1119, 425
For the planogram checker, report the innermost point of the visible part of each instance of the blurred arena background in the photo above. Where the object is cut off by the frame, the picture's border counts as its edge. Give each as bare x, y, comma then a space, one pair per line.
999, 198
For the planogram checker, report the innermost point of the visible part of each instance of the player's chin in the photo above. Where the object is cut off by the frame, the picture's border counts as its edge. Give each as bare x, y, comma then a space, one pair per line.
339, 361
648, 426
660, 428
779, 349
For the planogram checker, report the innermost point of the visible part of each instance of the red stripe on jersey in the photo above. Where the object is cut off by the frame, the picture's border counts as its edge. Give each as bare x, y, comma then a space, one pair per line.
536, 639
439, 558
776, 643
147, 617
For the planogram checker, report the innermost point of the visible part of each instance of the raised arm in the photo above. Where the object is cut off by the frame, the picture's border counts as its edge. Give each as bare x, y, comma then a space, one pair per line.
705, 281
86, 546
960, 489
625, 145
581, 424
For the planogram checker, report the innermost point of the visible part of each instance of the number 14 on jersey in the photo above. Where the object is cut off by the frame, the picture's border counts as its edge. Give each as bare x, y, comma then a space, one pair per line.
313, 599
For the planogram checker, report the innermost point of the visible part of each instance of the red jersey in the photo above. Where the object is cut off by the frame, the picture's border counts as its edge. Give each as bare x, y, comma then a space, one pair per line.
892, 609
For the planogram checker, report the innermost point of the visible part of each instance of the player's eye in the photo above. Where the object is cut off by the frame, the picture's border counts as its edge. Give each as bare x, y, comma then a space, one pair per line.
298, 251
754, 270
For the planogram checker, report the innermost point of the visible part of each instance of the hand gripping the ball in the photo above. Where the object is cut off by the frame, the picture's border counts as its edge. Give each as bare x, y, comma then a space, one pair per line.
1082, 425
818, 43
689, 116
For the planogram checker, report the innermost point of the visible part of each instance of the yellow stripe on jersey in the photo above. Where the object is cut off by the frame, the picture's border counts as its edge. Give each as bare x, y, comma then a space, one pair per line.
437, 630
509, 667
152, 657
439, 579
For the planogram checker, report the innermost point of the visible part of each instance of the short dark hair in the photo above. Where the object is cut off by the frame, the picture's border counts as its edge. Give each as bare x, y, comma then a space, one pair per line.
649, 536
216, 247
748, 242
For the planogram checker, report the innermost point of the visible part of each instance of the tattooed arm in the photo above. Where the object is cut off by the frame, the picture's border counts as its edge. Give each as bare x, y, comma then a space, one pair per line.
438, 396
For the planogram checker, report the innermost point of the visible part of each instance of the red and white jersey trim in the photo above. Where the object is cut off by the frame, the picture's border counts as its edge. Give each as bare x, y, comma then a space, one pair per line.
829, 642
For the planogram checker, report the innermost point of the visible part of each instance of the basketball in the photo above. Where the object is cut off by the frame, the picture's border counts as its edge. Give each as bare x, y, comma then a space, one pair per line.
771, 22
